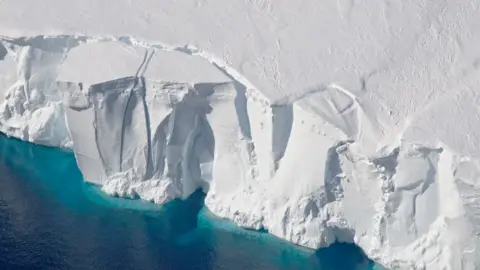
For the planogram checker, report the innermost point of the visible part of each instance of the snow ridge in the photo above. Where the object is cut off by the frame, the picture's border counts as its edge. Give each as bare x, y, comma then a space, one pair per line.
311, 168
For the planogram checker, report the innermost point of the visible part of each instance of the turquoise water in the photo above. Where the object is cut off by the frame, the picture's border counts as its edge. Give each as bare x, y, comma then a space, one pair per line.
51, 219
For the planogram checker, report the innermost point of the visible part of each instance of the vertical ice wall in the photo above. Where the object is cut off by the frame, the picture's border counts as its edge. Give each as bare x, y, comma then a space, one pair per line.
32, 109
121, 130
303, 167
80, 118
121, 136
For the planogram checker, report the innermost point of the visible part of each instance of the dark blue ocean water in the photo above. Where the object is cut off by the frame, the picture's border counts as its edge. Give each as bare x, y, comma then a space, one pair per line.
51, 219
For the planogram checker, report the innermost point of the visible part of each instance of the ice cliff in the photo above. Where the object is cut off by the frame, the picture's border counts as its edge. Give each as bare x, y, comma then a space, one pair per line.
352, 121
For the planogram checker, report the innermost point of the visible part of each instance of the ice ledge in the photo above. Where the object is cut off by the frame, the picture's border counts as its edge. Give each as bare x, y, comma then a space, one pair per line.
307, 167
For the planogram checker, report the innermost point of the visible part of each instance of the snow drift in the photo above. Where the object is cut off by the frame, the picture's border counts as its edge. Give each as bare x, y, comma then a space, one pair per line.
313, 167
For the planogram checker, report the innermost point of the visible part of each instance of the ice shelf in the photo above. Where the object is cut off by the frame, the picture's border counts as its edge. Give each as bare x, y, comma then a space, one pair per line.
157, 122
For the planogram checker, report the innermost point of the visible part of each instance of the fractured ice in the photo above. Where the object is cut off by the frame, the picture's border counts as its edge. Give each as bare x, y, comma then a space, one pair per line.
311, 167
168, 136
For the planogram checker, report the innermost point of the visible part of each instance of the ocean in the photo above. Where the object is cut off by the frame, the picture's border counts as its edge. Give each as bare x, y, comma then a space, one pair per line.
51, 219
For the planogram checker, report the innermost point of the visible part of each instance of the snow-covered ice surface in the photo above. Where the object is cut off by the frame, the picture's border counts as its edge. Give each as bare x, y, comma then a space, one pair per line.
318, 121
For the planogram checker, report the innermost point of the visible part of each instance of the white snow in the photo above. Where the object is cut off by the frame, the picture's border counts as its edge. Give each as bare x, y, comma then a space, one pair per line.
319, 121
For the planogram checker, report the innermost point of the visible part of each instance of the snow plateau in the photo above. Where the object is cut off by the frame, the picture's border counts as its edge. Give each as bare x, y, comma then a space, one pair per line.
324, 121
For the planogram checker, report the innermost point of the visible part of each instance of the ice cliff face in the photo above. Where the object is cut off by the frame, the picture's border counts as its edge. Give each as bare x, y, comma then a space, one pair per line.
156, 122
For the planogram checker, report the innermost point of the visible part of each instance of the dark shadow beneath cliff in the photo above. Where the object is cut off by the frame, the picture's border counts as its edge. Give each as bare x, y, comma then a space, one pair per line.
343, 256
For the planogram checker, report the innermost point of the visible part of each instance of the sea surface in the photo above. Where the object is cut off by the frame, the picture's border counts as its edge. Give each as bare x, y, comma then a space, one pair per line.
51, 219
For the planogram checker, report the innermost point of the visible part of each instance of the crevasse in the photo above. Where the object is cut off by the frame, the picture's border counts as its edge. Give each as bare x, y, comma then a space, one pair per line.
306, 167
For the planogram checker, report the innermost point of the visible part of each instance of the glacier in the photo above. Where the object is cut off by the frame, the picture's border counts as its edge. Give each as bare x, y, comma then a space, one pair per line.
351, 121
